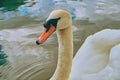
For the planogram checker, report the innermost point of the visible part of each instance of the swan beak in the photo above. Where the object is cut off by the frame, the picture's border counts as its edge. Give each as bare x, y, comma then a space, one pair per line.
45, 34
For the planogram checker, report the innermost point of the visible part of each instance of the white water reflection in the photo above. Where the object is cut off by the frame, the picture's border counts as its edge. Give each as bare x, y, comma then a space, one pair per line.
86, 9
38, 9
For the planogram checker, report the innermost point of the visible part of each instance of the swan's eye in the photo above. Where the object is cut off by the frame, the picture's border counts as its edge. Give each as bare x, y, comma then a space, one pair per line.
51, 21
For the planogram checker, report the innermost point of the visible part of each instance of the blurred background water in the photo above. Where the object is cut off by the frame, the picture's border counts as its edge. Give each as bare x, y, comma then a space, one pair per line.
80, 9
21, 23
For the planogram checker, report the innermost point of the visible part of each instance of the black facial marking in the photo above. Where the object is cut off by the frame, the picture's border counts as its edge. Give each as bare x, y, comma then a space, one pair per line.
51, 21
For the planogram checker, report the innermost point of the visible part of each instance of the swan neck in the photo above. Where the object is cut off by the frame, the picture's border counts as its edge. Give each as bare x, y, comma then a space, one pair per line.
65, 54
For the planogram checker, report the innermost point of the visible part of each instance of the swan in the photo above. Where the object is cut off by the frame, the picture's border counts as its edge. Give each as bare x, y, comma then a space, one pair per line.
97, 59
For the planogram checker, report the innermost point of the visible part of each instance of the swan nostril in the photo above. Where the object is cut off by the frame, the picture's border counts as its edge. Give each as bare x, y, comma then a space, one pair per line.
37, 42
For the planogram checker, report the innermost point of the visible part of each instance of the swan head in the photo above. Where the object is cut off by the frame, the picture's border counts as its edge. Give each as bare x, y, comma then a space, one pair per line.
57, 20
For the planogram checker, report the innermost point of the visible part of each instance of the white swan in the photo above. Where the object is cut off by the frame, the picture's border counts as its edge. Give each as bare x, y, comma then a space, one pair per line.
97, 59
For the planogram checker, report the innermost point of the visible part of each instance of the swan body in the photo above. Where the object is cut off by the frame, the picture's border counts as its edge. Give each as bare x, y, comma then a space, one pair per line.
97, 59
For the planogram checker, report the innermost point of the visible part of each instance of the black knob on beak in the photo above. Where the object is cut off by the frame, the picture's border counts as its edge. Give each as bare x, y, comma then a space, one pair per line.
37, 42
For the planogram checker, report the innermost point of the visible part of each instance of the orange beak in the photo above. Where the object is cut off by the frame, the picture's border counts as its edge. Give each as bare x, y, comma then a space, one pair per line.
45, 34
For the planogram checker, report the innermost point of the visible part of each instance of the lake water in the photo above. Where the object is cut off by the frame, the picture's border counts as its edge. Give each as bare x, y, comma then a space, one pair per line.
28, 61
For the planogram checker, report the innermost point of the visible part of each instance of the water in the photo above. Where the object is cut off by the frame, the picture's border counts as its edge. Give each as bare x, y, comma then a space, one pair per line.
24, 56
102, 9
28, 61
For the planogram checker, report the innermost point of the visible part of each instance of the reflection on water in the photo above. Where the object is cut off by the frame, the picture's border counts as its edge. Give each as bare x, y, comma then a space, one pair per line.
32, 8
97, 10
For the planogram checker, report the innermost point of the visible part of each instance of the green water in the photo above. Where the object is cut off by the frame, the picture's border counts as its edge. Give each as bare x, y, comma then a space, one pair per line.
3, 57
10, 5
